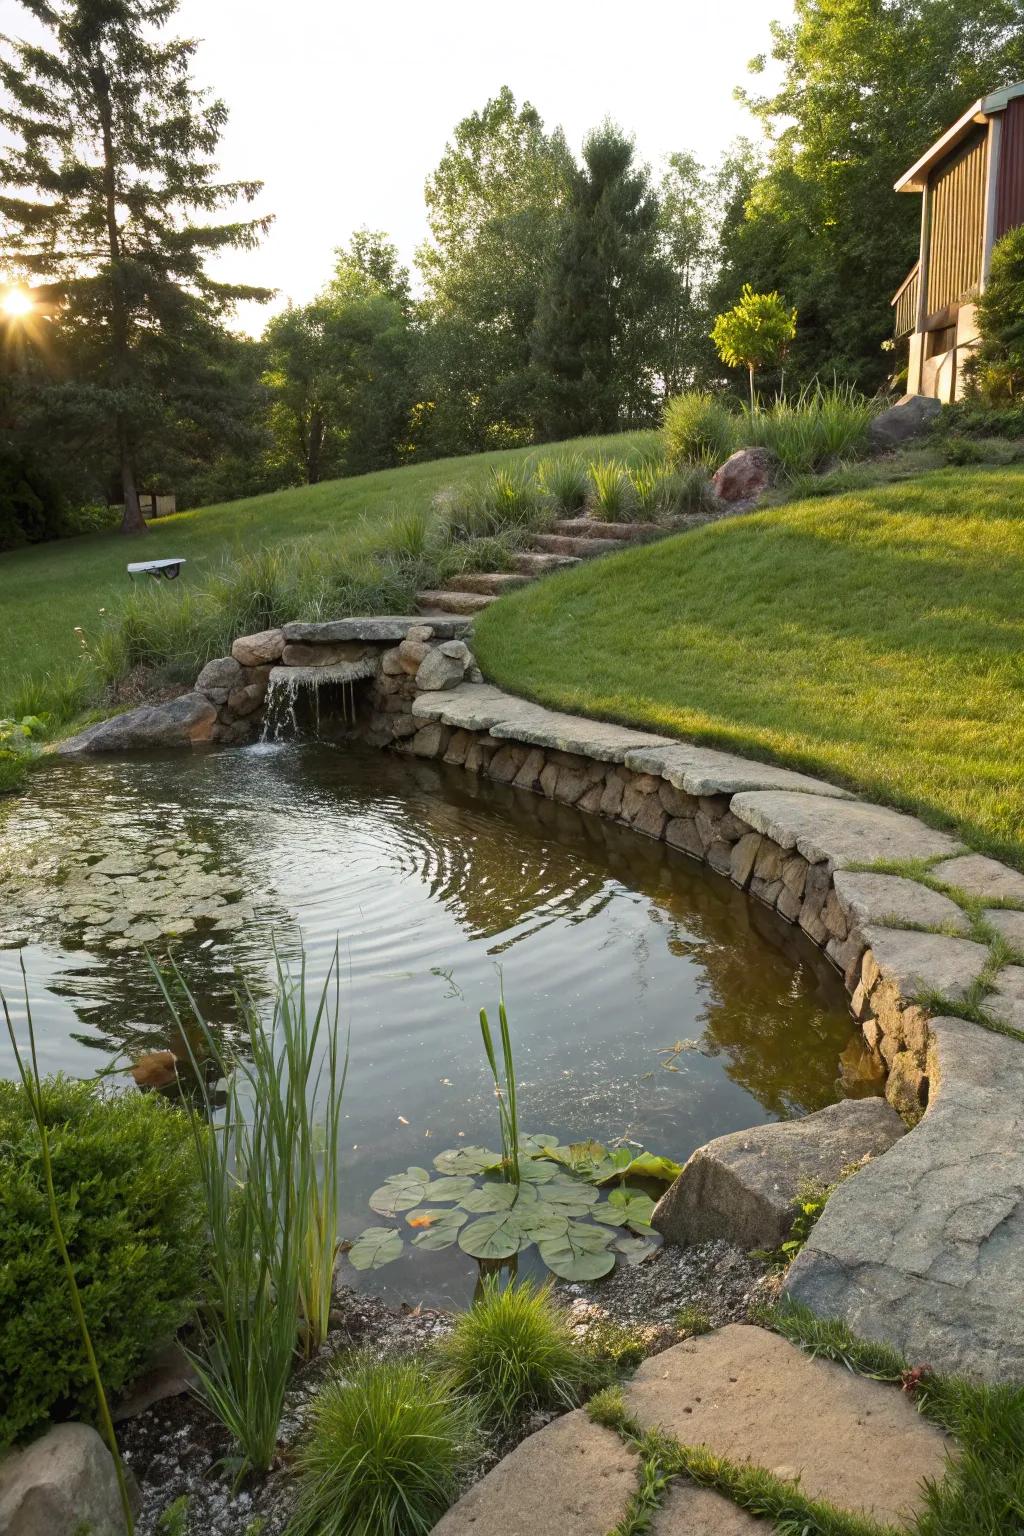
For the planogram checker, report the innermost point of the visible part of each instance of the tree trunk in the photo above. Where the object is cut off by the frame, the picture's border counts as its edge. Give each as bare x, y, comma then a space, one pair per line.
315, 441
120, 362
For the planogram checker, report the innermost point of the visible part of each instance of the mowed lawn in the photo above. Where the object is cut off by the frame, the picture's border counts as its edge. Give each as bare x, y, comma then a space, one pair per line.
47, 590
876, 639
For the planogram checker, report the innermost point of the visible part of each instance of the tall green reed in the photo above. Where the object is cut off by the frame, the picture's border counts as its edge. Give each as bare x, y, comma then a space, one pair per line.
504, 1092
270, 1173
32, 1084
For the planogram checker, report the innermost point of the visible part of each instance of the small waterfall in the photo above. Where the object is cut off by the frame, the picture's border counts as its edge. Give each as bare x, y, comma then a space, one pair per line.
281, 718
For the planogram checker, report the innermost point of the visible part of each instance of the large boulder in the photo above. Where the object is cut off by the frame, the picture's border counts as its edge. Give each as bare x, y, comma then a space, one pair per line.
742, 1187
218, 678
62, 1484
438, 671
908, 418
189, 720
745, 475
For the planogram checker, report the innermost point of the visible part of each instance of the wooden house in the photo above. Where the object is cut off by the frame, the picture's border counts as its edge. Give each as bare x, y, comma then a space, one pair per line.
971, 183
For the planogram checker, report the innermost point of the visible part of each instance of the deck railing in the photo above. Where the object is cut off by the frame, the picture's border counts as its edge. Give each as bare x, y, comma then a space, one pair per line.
905, 300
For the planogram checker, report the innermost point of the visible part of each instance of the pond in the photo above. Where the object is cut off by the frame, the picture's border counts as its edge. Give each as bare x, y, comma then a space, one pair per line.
649, 999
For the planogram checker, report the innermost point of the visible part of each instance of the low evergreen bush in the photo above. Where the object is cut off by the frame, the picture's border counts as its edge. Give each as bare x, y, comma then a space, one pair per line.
389, 1445
127, 1189
514, 1351
698, 428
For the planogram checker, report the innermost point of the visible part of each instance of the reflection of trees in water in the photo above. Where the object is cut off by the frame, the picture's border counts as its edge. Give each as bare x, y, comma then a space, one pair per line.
772, 1005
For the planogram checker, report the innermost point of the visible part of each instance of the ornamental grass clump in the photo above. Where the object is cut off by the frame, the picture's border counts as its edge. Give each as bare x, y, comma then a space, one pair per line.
514, 1351
611, 497
817, 429
663, 493
389, 1447
565, 480
698, 428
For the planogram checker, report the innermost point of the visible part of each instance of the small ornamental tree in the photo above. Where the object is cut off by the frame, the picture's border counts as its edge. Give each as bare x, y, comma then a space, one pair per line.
997, 368
754, 333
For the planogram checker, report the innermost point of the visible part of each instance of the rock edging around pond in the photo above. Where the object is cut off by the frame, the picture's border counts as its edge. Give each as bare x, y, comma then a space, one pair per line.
922, 1249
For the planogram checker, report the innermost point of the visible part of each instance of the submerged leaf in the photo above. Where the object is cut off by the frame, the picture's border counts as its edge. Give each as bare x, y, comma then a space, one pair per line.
374, 1247
636, 1249
467, 1160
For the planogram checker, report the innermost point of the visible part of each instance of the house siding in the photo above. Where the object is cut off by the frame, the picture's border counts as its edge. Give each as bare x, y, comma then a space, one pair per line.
957, 226
1010, 178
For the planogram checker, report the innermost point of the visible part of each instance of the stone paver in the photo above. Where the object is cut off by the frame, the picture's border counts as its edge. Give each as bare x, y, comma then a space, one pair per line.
981, 876
922, 1249
690, 1511
705, 771
917, 963
336, 672
750, 1396
1008, 924
893, 901
381, 629
573, 1478
841, 831
741, 1187
1009, 982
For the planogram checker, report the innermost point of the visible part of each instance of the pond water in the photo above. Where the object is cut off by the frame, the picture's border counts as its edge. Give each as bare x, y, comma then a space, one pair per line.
439, 888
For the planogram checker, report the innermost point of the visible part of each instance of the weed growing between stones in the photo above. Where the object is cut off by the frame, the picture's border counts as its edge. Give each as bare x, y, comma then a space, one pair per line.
694, 1321
983, 1492
809, 1204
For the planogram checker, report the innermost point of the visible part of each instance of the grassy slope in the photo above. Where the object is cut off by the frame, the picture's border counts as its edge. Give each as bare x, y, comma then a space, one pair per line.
876, 638
48, 589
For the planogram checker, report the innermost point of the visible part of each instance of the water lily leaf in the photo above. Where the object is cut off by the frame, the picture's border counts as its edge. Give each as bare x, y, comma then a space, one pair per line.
467, 1160
579, 1156
532, 1171
627, 1208
534, 1144
490, 1197
628, 1163
400, 1192
374, 1247
636, 1249
541, 1223
441, 1228
448, 1189
498, 1236
562, 1191
580, 1253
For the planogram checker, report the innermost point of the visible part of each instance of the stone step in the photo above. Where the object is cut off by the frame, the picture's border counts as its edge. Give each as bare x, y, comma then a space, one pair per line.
451, 602
750, 1396
593, 528
489, 583
532, 563
565, 544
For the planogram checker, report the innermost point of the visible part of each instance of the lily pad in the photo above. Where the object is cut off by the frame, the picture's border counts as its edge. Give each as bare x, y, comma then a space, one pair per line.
580, 1253
562, 1191
400, 1192
375, 1247
535, 1144
467, 1160
543, 1223
532, 1171
498, 1236
491, 1197
629, 1163
436, 1229
449, 1189
626, 1208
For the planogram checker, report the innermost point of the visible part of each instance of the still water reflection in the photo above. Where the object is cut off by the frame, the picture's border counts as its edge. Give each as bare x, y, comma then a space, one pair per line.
611, 949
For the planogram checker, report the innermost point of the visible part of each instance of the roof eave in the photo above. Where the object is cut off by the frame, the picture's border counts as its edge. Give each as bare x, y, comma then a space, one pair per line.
916, 179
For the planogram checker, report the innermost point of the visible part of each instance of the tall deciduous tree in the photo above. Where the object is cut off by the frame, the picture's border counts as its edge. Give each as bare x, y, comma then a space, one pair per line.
595, 342
493, 207
866, 86
109, 191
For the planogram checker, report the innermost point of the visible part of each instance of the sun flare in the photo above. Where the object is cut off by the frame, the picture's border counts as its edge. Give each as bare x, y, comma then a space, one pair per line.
16, 302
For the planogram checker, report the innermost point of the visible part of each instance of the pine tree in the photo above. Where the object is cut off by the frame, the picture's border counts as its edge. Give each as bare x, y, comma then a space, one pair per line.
595, 345
108, 179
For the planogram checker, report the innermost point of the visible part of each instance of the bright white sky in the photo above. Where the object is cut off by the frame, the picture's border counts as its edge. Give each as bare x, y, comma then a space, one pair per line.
344, 110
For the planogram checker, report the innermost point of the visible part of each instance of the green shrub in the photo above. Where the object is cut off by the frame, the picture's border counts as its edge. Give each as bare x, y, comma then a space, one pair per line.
611, 496
698, 428
565, 481
389, 1445
812, 432
17, 751
514, 1351
973, 418
128, 1193
997, 367
962, 450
